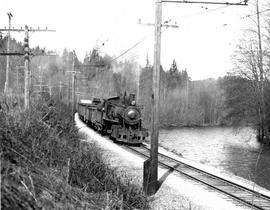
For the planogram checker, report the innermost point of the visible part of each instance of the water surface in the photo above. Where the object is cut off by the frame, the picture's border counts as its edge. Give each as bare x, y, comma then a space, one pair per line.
234, 150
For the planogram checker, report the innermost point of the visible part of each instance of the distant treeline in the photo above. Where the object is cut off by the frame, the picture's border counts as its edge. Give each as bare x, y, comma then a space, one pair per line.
182, 102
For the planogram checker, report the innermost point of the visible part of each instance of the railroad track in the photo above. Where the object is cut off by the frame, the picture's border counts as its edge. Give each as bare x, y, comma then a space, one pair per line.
236, 192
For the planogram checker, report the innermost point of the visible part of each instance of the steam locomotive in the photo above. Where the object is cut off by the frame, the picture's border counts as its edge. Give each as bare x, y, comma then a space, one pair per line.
118, 117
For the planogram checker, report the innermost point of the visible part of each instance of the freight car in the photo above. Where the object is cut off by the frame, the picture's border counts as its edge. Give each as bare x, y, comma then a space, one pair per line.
118, 117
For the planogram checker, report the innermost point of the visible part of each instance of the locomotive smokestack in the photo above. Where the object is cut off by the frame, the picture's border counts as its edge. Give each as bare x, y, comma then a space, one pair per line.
132, 97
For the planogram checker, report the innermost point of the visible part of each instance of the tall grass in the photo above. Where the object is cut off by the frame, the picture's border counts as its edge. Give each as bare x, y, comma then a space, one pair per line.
45, 165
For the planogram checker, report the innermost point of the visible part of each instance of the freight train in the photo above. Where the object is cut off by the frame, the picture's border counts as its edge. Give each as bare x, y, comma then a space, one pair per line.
119, 117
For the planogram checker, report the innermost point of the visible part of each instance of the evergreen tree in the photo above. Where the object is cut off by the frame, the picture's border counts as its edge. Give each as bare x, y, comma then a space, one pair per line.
173, 70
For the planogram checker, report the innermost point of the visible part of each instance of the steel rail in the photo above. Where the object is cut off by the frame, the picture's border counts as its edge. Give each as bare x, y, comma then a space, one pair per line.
239, 193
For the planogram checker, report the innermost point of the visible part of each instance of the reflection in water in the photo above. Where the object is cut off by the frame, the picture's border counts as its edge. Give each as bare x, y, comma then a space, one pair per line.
235, 151
250, 164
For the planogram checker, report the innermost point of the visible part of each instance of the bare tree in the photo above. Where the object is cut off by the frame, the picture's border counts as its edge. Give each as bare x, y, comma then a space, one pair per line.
251, 61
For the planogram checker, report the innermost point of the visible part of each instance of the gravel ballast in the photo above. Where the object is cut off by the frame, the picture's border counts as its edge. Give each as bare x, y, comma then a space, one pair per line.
176, 192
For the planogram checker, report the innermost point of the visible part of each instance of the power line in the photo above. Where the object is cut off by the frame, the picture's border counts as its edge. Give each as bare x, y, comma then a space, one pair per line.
202, 13
244, 17
242, 3
132, 47
165, 24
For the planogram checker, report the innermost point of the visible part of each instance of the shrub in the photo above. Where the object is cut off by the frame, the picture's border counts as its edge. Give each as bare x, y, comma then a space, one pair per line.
44, 164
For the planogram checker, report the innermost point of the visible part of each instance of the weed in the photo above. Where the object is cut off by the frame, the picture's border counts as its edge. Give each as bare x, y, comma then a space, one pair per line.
45, 165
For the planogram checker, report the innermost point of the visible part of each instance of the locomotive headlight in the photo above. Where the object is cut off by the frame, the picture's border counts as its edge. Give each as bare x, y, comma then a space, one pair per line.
133, 103
131, 114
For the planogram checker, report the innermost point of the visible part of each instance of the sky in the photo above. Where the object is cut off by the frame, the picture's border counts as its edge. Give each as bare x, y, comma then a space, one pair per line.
203, 44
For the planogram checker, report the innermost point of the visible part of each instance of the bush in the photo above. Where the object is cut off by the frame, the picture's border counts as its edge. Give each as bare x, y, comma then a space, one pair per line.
44, 164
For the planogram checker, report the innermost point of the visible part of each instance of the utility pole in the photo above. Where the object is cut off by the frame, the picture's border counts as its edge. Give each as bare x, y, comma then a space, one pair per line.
261, 70
26, 54
138, 89
73, 88
151, 165
26, 70
152, 188
150, 175
50, 89
60, 89
73, 85
8, 48
68, 91
187, 93
17, 68
41, 84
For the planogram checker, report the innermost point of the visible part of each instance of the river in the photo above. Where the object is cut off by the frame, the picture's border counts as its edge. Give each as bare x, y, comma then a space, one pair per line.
233, 150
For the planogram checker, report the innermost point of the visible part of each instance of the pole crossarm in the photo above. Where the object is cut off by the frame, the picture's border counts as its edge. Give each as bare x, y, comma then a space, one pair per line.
43, 54
29, 29
41, 85
17, 30
90, 65
73, 72
20, 54
243, 3
162, 25
11, 53
42, 30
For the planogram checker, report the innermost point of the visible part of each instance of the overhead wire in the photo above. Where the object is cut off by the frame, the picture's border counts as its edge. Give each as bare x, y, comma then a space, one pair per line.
245, 16
202, 13
208, 11
132, 47
136, 44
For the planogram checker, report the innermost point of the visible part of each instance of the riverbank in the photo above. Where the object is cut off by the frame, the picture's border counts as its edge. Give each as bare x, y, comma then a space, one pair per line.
265, 141
233, 151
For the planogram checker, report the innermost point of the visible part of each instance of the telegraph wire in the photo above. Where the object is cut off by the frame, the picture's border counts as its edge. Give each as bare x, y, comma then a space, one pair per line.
202, 13
244, 18
223, 25
132, 47
137, 43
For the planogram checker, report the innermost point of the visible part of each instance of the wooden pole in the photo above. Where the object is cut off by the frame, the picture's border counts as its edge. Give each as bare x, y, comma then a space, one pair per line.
17, 68
27, 70
68, 91
73, 86
8, 49
151, 173
261, 69
50, 89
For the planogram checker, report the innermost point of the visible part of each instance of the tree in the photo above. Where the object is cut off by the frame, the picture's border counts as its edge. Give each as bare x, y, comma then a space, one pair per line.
173, 68
251, 70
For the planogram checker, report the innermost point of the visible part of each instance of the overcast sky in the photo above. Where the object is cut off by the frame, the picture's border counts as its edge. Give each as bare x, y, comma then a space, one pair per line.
202, 44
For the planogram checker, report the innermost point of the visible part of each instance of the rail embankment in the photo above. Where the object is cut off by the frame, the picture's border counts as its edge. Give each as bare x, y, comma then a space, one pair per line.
45, 165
